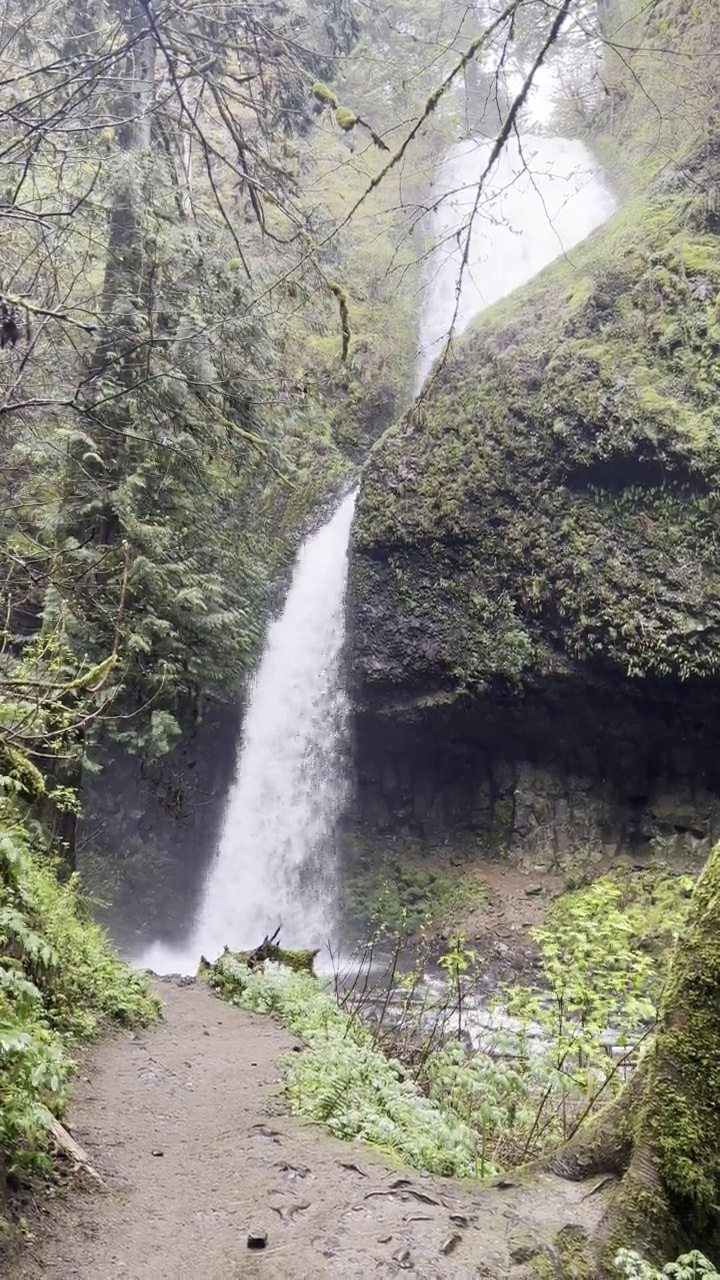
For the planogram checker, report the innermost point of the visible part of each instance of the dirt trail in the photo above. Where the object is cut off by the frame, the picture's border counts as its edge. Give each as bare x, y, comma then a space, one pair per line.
202, 1089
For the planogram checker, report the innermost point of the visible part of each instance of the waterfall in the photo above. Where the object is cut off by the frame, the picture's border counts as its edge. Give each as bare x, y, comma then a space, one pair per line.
541, 199
275, 864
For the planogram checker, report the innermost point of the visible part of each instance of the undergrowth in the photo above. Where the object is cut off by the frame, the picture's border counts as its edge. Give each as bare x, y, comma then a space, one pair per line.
343, 1081
396, 895
60, 981
418, 1066
652, 906
691, 1266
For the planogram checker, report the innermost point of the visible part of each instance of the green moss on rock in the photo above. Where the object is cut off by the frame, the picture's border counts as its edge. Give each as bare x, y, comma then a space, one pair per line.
554, 500
576, 1261
298, 961
401, 893
683, 1118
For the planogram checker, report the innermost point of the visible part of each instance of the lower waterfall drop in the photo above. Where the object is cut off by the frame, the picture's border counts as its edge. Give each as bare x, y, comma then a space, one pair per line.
275, 866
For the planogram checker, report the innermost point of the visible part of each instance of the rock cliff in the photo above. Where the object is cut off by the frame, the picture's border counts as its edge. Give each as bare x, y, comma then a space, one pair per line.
535, 588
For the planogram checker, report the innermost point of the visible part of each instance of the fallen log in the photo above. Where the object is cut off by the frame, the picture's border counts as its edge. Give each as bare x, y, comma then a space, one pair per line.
300, 961
73, 1150
270, 949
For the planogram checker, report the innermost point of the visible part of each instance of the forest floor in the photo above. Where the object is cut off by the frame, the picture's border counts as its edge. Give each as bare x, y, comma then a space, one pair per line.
500, 926
187, 1126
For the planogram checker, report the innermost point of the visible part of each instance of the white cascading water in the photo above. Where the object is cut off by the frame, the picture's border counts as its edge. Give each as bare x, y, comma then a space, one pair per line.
275, 864
541, 199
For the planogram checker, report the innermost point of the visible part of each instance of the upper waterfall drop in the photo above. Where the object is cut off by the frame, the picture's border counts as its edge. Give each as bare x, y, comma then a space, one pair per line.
542, 197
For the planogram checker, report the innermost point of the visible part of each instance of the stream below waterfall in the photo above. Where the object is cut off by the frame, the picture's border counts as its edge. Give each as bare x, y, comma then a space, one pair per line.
276, 863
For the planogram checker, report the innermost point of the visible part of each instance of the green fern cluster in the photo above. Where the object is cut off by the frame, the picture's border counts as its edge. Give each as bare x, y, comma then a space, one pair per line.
343, 1081
59, 981
691, 1266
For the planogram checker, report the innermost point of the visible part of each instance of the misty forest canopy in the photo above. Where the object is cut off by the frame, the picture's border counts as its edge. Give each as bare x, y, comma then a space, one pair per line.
215, 234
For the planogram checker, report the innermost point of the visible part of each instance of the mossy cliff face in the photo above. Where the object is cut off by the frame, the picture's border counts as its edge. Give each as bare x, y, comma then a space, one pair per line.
535, 585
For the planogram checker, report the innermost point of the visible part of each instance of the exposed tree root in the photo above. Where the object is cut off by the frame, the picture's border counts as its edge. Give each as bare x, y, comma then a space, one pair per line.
604, 1144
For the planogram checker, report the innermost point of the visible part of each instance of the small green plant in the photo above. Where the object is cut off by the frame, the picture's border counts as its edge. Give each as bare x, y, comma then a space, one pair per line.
598, 985
344, 1081
489, 1095
59, 982
691, 1266
457, 961
398, 895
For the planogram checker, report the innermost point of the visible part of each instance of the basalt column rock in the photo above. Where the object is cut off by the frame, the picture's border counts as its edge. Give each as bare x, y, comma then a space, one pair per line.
540, 782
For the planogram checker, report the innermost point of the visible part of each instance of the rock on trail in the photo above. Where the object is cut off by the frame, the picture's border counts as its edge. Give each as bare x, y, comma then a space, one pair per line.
187, 1127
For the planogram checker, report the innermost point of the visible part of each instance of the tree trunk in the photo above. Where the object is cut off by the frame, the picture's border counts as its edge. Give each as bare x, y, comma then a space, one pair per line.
662, 1135
134, 108
122, 351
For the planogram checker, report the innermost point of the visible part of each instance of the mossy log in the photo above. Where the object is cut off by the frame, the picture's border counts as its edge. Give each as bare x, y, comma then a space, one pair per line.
17, 766
300, 961
662, 1135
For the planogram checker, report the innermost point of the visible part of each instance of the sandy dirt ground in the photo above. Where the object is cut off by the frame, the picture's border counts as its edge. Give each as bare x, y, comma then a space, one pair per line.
187, 1126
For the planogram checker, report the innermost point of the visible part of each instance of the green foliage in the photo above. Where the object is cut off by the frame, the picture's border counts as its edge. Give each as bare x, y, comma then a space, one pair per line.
59, 983
593, 966
541, 1062
490, 1095
654, 905
48, 699
396, 895
691, 1266
370, 1071
173, 459
538, 1070
343, 1081
599, 981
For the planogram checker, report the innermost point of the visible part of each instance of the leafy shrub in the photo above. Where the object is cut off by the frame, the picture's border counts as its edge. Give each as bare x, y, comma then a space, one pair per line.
490, 1095
691, 1266
600, 986
394, 896
59, 981
398, 1042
